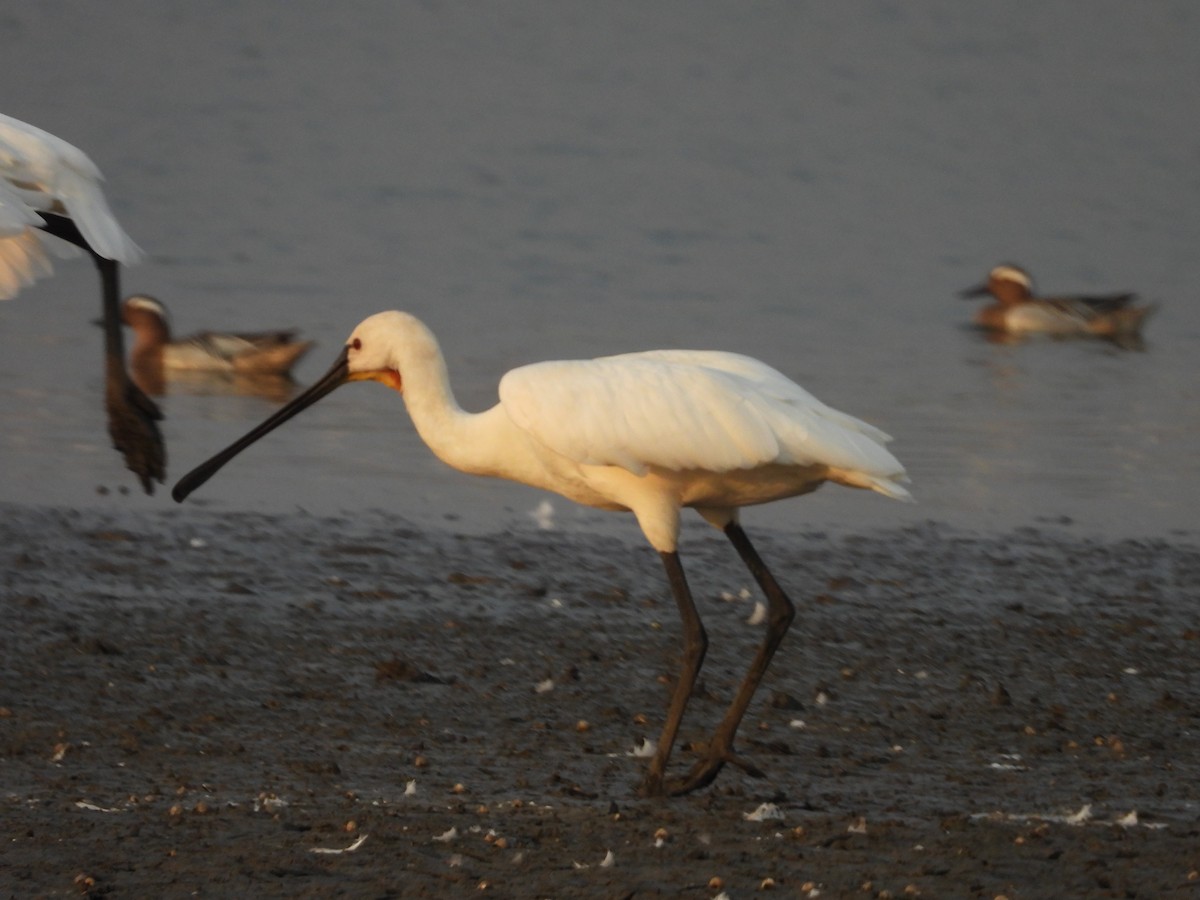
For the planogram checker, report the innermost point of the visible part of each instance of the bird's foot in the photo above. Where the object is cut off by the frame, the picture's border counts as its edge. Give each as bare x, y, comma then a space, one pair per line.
703, 772
651, 786
133, 426
706, 769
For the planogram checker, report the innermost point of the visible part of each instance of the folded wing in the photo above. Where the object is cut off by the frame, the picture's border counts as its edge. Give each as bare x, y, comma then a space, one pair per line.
690, 410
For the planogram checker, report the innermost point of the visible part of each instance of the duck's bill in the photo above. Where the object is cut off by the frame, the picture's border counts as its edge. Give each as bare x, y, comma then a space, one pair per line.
978, 290
331, 381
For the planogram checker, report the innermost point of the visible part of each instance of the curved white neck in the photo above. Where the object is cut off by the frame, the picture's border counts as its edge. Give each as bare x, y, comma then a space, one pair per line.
461, 439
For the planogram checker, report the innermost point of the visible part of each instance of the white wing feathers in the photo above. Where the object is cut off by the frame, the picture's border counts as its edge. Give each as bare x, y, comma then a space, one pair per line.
39, 171
86, 205
688, 410
15, 214
22, 257
23, 261
769, 380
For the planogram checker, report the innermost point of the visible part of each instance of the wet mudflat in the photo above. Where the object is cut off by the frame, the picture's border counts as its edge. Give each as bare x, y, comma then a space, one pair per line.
202, 704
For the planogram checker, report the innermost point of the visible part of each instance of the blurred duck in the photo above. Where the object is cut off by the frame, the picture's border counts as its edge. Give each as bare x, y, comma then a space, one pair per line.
154, 352
1017, 311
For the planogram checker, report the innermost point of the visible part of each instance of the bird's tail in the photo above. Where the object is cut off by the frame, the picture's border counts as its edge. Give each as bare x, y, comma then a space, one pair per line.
1124, 322
276, 360
888, 485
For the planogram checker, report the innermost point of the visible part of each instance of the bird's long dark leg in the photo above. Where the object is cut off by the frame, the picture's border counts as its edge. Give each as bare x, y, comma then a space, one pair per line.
695, 645
780, 614
132, 416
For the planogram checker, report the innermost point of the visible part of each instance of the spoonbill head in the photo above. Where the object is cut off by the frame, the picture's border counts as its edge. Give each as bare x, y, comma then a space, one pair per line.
650, 433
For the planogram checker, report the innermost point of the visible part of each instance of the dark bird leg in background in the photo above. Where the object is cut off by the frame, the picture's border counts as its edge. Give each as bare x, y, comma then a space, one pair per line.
132, 416
695, 645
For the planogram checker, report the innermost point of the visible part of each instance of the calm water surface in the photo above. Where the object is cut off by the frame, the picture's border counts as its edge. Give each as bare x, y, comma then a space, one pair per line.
809, 184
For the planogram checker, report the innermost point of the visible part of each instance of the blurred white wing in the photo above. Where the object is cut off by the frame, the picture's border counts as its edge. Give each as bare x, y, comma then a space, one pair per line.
687, 410
23, 261
51, 175
15, 214
22, 257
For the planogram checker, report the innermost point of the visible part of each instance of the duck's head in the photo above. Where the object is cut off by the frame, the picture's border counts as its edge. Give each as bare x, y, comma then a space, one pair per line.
142, 305
1007, 283
146, 316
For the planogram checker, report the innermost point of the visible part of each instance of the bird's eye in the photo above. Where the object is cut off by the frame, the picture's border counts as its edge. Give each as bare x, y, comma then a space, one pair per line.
356, 344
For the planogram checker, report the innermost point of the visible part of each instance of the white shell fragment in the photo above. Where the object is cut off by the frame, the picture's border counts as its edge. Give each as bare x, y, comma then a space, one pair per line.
764, 812
333, 851
1085, 813
606, 863
92, 807
644, 750
543, 515
269, 803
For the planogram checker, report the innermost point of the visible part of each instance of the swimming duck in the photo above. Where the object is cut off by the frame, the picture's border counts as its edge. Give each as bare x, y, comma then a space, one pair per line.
261, 353
1017, 311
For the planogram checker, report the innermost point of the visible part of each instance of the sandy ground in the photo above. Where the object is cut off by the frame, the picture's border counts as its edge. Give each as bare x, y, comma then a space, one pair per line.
195, 704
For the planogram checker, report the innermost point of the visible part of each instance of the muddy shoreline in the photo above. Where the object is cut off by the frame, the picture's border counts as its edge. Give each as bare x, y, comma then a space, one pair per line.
198, 704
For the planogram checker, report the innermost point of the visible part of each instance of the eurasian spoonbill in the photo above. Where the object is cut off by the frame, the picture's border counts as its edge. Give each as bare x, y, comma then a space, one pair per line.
650, 433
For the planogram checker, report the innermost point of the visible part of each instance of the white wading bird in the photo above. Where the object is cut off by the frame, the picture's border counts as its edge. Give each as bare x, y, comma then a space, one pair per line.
49, 187
649, 433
